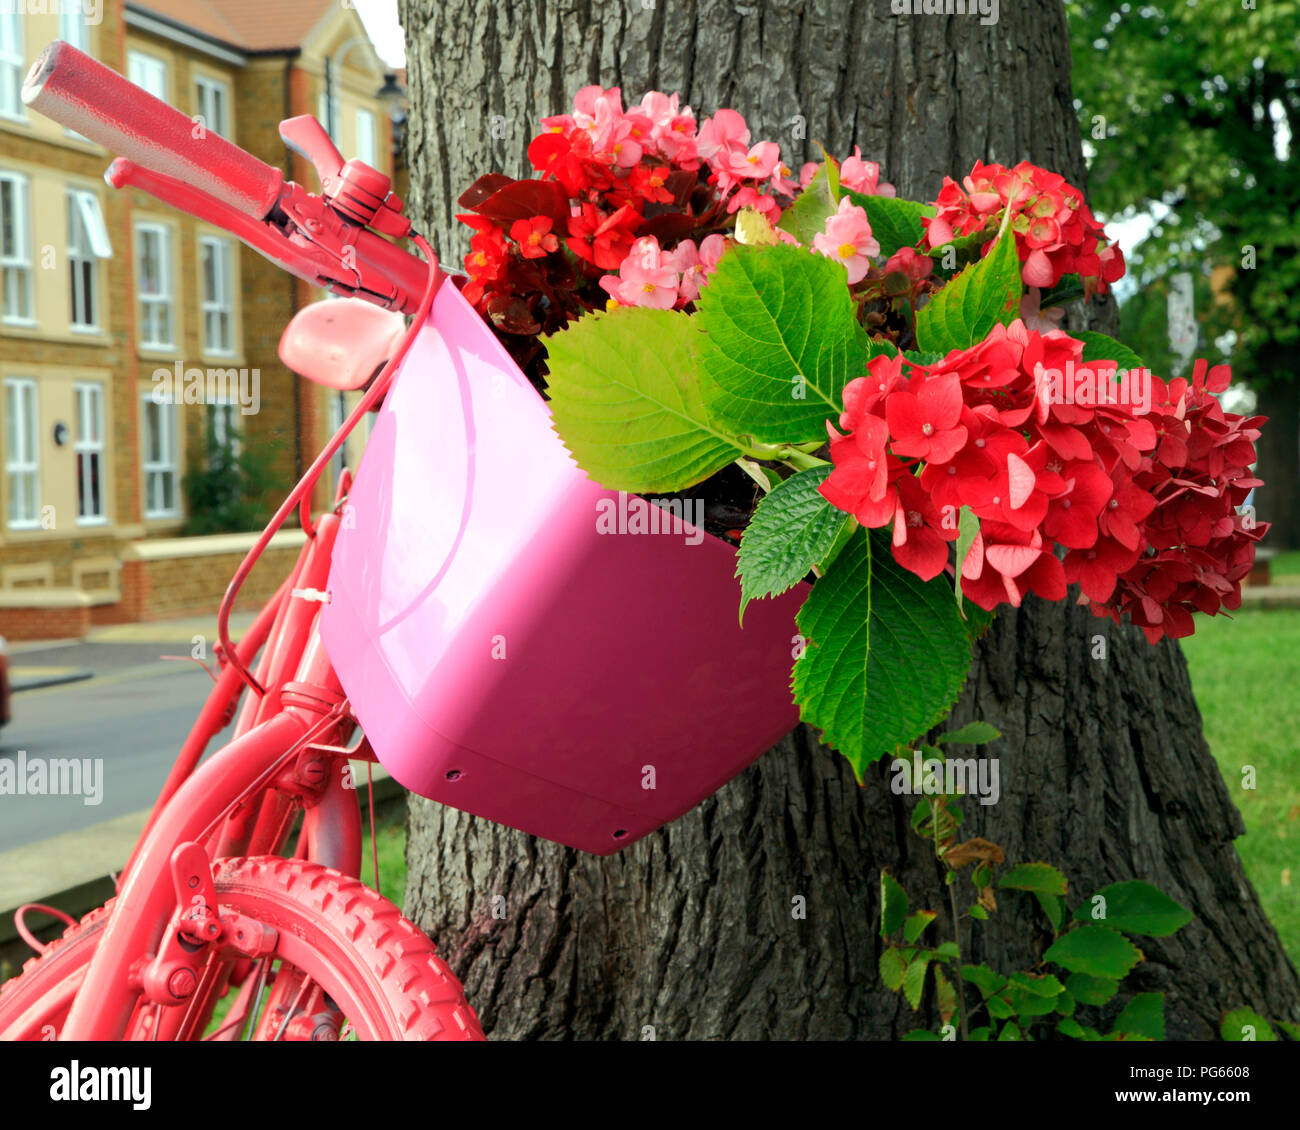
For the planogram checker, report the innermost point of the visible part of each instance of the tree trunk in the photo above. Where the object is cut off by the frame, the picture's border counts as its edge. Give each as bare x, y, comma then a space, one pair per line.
1279, 449
691, 932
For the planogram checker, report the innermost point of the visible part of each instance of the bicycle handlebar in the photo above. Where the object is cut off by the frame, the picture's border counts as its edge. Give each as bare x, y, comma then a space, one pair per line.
84, 95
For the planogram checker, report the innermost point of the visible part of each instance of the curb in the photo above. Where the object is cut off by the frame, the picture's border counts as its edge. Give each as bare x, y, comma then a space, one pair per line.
36, 682
88, 890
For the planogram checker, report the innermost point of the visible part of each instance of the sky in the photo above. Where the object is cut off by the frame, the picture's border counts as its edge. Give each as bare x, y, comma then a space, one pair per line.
380, 18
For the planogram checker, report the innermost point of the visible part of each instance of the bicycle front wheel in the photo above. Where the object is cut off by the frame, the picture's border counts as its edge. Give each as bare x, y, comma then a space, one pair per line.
345, 963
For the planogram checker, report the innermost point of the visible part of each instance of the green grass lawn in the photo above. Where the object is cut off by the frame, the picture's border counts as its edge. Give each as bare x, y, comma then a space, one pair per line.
1285, 567
1246, 676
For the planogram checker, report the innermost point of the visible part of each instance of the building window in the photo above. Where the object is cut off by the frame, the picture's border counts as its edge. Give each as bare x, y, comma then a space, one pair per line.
218, 294
224, 419
15, 248
22, 467
90, 452
12, 65
161, 462
147, 73
212, 97
366, 137
87, 245
153, 253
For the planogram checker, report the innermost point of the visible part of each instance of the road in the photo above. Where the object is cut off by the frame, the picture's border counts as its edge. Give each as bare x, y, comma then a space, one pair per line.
130, 719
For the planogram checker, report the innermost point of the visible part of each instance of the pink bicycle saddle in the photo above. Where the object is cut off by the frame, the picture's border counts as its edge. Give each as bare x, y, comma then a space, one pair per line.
340, 344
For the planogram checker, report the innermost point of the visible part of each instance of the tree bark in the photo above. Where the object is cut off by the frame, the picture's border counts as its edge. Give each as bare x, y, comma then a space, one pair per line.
1104, 771
1278, 501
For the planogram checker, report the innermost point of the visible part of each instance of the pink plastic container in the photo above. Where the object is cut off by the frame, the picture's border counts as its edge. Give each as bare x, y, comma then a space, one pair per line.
505, 657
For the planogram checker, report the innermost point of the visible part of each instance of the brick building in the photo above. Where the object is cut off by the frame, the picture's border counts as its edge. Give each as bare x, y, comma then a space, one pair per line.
102, 290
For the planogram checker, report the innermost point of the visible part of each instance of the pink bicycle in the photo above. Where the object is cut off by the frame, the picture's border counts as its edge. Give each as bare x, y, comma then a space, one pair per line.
459, 606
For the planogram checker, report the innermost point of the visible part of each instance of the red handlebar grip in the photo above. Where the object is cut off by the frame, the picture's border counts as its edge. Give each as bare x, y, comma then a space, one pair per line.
81, 93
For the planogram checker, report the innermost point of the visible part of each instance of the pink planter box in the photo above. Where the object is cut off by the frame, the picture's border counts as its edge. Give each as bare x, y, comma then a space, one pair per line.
507, 658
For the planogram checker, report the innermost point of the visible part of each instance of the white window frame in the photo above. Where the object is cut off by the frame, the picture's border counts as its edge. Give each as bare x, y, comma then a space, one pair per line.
147, 72
16, 262
13, 65
89, 450
88, 243
22, 458
367, 139
164, 296
212, 103
222, 302
168, 463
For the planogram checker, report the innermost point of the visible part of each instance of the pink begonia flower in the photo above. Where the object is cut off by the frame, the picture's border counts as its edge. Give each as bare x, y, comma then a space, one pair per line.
807, 172
750, 197
726, 130
646, 278
863, 176
672, 128
696, 265
847, 239
781, 183
907, 262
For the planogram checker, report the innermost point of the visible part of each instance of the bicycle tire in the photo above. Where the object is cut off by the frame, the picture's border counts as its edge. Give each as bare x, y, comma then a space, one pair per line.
380, 968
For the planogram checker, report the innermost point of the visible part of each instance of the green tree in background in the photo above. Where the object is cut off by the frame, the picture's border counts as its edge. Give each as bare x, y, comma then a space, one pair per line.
1192, 108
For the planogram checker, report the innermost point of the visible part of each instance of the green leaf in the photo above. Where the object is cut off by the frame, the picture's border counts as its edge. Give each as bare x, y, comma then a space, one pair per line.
780, 343
891, 969
1245, 1024
947, 951
634, 418
1091, 990
1044, 985
967, 308
807, 216
893, 904
1096, 950
917, 1035
968, 528
1065, 1003
1038, 877
966, 249
914, 980
973, 733
977, 911
915, 926
886, 654
894, 223
1071, 1028
1292, 1031
983, 978
1099, 347
1137, 908
1010, 1031
944, 994
999, 1009
1143, 1016
1054, 907
792, 530
980, 1034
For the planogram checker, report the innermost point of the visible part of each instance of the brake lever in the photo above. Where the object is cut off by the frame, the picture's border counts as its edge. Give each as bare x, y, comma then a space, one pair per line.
324, 242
